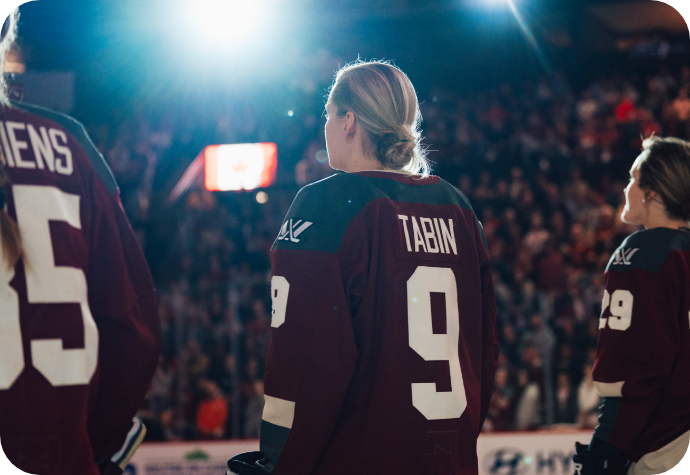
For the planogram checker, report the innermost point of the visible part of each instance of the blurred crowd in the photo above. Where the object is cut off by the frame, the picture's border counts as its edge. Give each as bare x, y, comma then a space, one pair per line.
543, 164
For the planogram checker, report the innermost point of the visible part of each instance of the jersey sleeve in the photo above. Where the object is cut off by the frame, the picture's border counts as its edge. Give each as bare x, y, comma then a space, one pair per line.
638, 340
312, 354
124, 306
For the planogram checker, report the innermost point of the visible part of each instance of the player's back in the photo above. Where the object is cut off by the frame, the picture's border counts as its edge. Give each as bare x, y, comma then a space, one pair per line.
417, 279
643, 354
79, 268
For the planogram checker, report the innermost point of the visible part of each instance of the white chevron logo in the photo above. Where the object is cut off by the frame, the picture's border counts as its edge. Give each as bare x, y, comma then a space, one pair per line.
291, 230
623, 257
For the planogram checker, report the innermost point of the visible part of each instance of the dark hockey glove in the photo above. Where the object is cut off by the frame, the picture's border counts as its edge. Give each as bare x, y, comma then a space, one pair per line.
244, 464
589, 462
117, 463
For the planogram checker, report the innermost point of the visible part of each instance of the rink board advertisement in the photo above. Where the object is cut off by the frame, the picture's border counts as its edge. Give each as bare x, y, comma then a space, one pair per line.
523, 453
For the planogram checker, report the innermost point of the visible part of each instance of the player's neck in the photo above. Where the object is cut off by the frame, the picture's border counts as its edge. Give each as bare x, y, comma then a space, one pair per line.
361, 163
662, 221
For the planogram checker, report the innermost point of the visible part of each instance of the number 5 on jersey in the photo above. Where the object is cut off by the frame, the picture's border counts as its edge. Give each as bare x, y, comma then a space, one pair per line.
432, 404
36, 206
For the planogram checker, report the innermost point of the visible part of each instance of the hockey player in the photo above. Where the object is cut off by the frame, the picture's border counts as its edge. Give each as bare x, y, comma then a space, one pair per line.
642, 368
79, 327
384, 343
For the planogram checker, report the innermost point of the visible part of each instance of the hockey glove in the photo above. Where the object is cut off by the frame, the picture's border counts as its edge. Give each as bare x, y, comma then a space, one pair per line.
245, 464
118, 462
589, 462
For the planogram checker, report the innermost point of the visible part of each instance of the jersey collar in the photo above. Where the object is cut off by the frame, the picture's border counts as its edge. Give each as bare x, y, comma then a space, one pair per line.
402, 177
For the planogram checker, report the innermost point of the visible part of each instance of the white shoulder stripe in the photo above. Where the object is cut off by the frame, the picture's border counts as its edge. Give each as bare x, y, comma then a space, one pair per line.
610, 389
662, 460
278, 411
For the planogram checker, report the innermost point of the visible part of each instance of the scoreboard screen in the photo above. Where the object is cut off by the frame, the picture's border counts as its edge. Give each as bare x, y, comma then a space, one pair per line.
240, 166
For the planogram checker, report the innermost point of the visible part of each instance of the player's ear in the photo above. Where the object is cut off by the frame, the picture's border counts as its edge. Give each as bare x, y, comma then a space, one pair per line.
350, 125
651, 195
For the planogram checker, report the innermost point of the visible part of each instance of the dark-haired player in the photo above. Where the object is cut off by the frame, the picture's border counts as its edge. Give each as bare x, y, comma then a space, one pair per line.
384, 343
642, 368
79, 327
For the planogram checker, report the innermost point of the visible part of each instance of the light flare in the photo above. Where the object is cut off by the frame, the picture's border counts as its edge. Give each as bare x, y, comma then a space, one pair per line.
529, 36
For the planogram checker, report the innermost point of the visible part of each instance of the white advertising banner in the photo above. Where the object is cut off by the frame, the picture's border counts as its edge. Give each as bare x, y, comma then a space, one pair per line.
529, 453
518, 453
187, 458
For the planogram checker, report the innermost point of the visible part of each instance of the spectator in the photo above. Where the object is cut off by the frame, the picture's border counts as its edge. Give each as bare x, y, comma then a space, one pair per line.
681, 105
681, 112
566, 400
212, 412
502, 407
528, 406
196, 362
541, 337
537, 236
253, 411
543, 340
161, 387
588, 400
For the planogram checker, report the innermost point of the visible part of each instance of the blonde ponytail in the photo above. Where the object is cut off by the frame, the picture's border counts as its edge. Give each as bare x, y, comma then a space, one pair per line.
385, 103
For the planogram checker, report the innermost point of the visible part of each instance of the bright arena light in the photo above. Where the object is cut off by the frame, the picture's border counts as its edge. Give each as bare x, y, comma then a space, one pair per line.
491, 4
209, 38
227, 20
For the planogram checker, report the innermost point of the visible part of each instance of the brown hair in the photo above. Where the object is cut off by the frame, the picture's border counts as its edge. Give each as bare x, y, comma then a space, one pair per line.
9, 231
665, 169
385, 104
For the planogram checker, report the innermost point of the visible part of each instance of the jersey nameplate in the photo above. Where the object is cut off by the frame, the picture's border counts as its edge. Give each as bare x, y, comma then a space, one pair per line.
49, 147
431, 235
427, 234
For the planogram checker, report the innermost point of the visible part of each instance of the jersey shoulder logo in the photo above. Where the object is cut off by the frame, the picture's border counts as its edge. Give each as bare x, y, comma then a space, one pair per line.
291, 229
623, 256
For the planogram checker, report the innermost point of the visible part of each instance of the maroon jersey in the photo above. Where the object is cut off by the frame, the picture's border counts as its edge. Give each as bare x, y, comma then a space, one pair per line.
79, 327
384, 343
642, 368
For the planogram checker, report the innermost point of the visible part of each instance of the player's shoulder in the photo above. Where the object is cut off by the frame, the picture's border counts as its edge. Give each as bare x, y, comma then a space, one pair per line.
649, 249
69, 123
429, 190
336, 198
76, 129
349, 184
322, 212
455, 194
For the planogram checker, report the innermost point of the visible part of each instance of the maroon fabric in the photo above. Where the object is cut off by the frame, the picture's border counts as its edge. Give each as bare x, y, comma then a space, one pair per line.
64, 430
652, 356
343, 354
